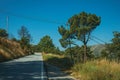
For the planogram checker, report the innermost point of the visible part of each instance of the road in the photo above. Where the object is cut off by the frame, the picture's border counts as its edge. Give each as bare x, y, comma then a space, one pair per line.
26, 68
55, 73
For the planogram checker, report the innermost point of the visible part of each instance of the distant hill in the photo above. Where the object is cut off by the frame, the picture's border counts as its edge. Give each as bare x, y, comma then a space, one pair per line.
97, 49
10, 50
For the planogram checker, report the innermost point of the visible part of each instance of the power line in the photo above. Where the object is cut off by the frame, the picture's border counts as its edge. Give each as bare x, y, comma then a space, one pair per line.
30, 18
95, 41
7, 24
98, 39
43, 20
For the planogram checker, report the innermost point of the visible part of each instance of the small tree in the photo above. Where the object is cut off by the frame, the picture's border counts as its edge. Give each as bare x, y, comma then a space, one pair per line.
3, 33
46, 45
25, 37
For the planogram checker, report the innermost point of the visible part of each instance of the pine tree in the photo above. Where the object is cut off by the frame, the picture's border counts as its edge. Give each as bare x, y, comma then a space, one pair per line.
80, 28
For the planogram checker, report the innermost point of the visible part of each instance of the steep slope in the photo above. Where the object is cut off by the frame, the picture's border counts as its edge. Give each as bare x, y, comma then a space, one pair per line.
10, 50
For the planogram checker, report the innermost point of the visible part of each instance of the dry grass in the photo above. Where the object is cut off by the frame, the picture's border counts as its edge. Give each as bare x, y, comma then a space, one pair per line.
91, 70
97, 70
49, 55
10, 49
57, 60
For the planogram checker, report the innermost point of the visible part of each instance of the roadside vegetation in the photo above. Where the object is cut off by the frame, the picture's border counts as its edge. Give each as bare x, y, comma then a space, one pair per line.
100, 69
11, 48
46, 45
78, 59
58, 60
86, 64
97, 70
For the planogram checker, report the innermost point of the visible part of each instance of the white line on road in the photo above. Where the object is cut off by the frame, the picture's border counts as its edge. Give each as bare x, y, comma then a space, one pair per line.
43, 76
42, 69
37, 57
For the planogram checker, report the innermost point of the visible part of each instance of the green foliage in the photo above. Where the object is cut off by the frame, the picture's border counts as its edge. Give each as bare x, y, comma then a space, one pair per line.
77, 53
35, 48
104, 54
14, 39
25, 39
80, 28
82, 25
67, 37
57, 60
112, 50
57, 51
24, 33
46, 45
3, 33
24, 42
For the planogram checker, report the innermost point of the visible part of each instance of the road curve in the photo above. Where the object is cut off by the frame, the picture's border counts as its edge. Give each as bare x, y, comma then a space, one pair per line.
26, 68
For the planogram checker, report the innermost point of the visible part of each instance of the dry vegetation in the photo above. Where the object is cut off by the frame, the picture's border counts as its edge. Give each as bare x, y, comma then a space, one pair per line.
97, 70
91, 70
10, 49
58, 60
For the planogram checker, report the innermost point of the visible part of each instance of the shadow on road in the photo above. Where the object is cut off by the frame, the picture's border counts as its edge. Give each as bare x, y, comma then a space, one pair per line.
30, 70
56, 72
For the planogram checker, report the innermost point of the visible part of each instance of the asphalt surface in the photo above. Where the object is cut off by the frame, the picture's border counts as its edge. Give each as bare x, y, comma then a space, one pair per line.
26, 68
55, 73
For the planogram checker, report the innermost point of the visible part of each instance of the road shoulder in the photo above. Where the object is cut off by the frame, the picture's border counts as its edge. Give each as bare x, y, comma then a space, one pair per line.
54, 73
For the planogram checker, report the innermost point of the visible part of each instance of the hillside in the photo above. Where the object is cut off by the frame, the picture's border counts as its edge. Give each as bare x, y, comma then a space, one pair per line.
97, 49
10, 50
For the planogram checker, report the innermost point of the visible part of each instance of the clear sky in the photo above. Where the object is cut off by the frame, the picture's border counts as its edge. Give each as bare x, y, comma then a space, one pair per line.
42, 17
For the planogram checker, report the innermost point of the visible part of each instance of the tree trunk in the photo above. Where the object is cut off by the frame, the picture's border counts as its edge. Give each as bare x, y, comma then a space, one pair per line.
85, 53
71, 55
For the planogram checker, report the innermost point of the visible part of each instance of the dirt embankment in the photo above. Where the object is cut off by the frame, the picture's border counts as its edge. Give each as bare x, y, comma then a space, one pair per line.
10, 50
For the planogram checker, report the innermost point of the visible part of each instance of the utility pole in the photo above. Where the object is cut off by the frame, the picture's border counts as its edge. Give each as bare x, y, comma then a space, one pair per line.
7, 23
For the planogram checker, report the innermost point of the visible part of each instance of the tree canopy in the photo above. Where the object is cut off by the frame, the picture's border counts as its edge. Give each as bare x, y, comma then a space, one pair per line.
3, 33
80, 28
24, 33
46, 44
25, 37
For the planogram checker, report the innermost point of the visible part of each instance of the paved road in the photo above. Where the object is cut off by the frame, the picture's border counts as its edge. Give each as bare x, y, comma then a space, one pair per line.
26, 68
54, 73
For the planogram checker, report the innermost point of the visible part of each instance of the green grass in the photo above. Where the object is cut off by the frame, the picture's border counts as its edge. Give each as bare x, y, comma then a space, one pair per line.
97, 70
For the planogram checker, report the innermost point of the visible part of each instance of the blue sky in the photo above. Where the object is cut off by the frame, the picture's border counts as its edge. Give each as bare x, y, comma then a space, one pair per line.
42, 17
